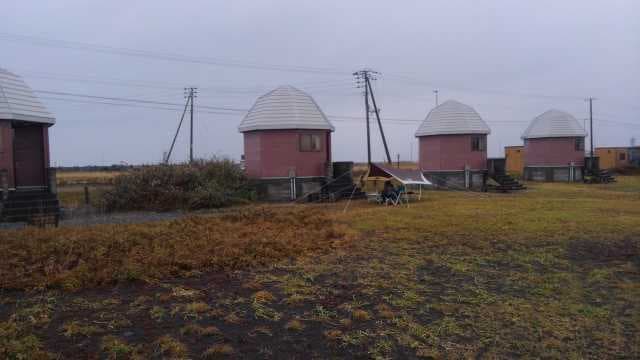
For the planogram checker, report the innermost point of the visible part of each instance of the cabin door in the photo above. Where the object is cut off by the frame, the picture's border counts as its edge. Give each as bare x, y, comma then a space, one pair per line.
28, 155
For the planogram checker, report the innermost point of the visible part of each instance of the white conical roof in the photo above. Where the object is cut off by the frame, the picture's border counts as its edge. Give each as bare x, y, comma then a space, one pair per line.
452, 117
285, 108
553, 123
17, 101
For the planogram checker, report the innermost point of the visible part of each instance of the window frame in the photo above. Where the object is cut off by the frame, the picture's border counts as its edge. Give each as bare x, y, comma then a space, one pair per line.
313, 143
579, 144
478, 143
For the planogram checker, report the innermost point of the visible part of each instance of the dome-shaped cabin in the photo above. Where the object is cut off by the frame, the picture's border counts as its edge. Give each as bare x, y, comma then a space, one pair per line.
24, 134
287, 144
554, 148
453, 146
26, 181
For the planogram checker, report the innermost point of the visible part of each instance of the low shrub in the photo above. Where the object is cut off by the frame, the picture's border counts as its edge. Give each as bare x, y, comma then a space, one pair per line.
200, 185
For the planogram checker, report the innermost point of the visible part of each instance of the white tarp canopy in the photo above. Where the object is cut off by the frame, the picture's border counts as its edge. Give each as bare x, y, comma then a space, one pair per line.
404, 176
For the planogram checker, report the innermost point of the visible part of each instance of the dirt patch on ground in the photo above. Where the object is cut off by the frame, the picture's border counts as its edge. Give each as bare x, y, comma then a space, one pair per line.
604, 250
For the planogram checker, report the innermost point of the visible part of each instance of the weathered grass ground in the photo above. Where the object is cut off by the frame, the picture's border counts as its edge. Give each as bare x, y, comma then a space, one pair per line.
553, 272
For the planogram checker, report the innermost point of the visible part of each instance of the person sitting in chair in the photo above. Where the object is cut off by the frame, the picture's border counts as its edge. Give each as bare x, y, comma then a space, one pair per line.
388, 191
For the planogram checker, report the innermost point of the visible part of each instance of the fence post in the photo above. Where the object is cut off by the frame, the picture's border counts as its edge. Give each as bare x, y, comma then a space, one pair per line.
572, 170
467, 180
52, 178
292, 184
86, 195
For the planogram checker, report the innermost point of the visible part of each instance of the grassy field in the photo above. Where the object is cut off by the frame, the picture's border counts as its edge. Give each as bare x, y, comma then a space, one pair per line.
551, 272
72, 196
65, 178
71, 187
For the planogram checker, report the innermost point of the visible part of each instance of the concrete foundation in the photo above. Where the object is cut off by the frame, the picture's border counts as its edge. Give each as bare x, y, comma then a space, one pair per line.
458, 180
287, 189
553, 174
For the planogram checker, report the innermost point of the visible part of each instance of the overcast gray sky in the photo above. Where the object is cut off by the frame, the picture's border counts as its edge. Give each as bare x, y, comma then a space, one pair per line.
510, 60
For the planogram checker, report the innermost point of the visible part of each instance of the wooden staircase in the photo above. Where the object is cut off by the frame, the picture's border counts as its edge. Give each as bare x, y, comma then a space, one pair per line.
506, 183
600, 177
36, 207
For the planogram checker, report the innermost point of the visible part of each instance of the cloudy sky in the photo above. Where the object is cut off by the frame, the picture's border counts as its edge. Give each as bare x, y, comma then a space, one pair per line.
510, 60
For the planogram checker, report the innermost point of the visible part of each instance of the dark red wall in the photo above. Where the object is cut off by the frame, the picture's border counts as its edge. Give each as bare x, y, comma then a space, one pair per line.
271, 153
552, 152
7, 155
450, 152
6, 150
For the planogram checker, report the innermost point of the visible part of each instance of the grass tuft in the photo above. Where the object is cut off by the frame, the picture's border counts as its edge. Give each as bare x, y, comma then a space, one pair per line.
200, 331
168, 347
217, 351
360, 315
294, 325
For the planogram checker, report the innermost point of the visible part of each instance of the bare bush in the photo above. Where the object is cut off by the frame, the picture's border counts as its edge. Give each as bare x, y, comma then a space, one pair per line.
203, 184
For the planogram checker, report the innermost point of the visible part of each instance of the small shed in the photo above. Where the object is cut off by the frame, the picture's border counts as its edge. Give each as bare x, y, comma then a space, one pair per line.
514, 158
453, 146
613, 158
554, 148
27, 181
287, 144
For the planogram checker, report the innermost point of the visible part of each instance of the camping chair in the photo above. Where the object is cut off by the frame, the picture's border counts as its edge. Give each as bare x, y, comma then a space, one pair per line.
396, 198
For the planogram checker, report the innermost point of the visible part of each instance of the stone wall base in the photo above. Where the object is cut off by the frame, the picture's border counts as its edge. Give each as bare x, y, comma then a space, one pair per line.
553, 174
287, 189
458, 180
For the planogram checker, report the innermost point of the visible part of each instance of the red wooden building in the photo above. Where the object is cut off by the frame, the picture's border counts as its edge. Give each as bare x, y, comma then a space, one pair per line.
453, 146
287, 144
25, 177
554, 148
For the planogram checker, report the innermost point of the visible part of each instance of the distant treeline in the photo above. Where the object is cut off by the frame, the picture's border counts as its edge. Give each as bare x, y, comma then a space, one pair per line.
113, 167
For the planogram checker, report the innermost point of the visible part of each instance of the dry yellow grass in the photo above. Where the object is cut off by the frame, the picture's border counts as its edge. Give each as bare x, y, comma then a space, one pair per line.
66, 178
74, 258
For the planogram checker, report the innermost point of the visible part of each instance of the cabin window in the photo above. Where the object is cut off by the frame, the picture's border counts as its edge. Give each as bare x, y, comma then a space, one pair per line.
580, 144
478, 143
310, 142
622, 156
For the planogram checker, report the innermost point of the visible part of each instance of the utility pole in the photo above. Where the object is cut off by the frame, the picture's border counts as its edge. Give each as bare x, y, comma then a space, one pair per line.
363, 79
436, 92
190, 94
375, 107
173, 142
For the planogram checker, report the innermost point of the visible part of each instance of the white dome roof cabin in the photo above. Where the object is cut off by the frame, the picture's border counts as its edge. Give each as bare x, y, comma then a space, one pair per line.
18, 103
285, 108
554, 123
452, 117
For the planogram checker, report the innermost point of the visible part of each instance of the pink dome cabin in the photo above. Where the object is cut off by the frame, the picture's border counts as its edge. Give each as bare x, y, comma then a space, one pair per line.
27, 182
453, 146
287, 144
554, 148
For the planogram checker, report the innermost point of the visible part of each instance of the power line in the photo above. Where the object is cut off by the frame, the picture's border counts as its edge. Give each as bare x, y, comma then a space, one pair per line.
81, 46
133, 100
133, 105
418, 81
336, 118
